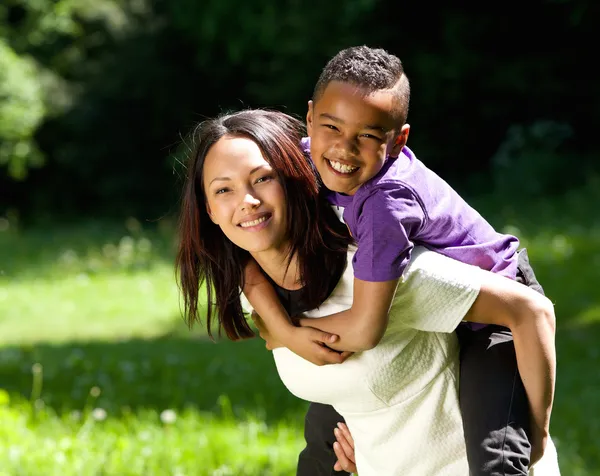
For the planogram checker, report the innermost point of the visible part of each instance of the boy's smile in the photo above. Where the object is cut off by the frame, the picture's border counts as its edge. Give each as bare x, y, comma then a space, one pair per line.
352, 132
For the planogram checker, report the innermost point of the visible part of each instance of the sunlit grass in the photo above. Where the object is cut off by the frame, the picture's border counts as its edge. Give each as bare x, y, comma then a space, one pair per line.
93, 351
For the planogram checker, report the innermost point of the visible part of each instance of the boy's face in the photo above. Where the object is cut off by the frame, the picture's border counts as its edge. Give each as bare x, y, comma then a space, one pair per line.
351, 134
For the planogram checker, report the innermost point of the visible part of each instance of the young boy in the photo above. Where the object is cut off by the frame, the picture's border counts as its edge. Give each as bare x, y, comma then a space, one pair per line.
357, 141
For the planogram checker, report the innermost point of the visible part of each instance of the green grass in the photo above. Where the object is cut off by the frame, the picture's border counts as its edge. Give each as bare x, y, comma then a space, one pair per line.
99, 375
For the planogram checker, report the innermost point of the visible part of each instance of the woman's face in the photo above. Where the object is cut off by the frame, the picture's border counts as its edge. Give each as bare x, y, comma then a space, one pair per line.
244, 195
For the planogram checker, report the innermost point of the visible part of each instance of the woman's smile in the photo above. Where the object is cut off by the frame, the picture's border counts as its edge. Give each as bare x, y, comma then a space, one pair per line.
256, 222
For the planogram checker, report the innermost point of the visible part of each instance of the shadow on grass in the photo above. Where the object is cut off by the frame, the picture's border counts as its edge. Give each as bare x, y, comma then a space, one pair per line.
173, 372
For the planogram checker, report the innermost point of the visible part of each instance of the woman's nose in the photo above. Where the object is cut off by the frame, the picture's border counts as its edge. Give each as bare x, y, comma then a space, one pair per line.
249, 201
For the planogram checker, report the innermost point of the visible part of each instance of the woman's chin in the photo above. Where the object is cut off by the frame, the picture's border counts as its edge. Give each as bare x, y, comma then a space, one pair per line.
255, 246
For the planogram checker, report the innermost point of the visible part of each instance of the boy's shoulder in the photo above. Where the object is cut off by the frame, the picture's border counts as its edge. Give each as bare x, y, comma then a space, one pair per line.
402, 177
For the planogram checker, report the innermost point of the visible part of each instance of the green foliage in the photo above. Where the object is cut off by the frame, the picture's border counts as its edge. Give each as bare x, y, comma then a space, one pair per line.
102, 91
21, 112
270, 42
531, 161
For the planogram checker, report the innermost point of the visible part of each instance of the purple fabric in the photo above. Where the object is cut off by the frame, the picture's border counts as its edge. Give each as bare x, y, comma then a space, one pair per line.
407, 204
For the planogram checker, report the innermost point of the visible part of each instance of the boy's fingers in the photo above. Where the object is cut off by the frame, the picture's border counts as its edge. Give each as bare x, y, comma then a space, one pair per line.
330, 356
325, 337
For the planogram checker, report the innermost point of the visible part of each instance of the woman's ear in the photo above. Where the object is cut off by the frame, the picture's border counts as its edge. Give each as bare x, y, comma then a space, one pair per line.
210, 214
399, 141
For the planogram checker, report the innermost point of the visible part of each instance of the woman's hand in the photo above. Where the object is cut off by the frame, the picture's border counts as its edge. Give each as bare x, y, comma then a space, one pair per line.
344, 450
307, 342
539, 441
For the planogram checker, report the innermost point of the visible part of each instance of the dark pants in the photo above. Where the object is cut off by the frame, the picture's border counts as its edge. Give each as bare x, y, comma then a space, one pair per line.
493, 403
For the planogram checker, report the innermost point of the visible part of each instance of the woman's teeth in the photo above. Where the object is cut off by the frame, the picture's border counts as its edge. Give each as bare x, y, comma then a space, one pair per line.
246, 224
343, 168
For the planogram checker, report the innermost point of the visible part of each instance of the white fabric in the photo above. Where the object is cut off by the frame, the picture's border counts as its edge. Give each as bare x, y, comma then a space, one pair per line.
400, 399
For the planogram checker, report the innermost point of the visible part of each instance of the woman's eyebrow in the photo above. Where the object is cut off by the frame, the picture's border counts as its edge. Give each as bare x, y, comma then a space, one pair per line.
254, 170
219, 178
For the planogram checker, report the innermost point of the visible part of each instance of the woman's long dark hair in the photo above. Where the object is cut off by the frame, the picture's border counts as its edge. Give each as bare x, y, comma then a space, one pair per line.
206, 256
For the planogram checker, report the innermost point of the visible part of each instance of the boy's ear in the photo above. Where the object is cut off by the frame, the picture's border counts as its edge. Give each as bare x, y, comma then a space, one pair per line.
309, 117
399, 141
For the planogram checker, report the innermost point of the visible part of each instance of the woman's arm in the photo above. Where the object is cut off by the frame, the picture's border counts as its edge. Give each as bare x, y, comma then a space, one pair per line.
530, 317
363, 325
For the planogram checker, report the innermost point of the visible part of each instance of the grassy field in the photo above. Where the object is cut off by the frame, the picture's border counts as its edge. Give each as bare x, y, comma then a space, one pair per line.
99, 376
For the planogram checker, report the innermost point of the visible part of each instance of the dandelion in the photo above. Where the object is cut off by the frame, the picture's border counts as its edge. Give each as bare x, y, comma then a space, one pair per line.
168, 416
99, 414
14, 453
95, 392
75, 415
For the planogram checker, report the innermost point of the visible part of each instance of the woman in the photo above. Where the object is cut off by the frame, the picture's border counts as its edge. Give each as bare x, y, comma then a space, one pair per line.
251, 193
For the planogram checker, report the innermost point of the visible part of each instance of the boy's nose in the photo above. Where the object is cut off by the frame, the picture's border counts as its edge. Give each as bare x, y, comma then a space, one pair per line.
344, 149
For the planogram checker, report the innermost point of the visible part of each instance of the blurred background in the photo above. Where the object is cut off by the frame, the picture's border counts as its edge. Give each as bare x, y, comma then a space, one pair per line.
98, 374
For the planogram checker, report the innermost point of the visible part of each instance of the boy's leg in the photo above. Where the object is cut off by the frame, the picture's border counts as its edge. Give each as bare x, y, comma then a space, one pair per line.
318, 458
493, 401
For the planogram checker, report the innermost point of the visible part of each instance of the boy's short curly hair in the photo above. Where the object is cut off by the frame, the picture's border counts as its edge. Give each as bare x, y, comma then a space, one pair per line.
371, 69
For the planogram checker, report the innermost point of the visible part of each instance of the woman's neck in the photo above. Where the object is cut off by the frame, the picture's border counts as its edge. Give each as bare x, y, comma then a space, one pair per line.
275, 264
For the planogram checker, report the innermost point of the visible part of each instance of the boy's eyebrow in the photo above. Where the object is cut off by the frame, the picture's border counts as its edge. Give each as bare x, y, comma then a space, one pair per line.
373, 127
227, 178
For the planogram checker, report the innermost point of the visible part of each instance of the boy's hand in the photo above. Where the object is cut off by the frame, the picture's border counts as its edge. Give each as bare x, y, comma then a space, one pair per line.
344, 450
307, 342
311, 344
263, 332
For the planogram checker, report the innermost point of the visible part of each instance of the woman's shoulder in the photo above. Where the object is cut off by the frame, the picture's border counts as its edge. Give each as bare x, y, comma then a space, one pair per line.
435, 292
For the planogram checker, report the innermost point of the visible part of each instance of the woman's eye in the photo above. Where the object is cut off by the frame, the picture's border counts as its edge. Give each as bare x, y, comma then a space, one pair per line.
266, 178
221, 191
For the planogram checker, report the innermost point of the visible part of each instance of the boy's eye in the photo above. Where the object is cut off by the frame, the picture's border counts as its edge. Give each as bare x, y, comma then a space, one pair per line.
330, 127
371, 136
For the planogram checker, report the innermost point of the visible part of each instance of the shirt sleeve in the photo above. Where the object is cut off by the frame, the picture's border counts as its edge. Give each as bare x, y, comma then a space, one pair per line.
387, 220
435, 292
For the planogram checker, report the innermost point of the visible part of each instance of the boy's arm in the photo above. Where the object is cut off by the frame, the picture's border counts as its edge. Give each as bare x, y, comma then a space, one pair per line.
362, 326
383, 230
530, 317
309, 343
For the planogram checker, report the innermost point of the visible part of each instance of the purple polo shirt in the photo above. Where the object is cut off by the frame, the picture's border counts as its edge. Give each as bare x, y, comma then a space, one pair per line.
407, 204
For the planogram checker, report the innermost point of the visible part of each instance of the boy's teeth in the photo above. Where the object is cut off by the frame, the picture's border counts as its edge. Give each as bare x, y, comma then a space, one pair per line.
343, 168
246, 224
